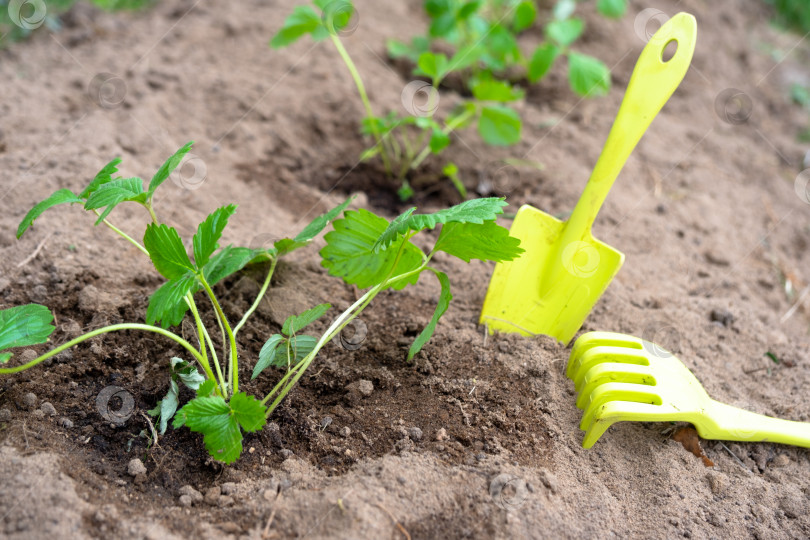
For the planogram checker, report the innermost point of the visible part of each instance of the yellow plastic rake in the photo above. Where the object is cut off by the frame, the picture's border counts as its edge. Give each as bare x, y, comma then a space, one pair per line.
621, 378
553, 286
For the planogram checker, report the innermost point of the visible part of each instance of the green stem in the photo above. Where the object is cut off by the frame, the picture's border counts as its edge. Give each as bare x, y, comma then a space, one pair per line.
447, 129
124, 235
234, 367
152, 212
258, 300
127, 326
361, 89
204, 338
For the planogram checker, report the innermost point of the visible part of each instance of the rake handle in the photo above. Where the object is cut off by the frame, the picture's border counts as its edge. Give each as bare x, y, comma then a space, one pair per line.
735, 424
652, 83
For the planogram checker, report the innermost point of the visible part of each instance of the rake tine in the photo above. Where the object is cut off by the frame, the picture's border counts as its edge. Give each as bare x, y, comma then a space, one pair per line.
620, 411
591, 340
604, 354
613, 372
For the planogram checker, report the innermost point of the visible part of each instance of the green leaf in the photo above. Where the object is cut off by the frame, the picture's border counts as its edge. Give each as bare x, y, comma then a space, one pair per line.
442, 26
525, 13
612, 8
248, 411
302, 21
436, 8
167, 305
472, 211
167, 168
541, 61
433, 65
318, 224
209, 233
444, 302
281, 352
487, 241
104, 176
587, 75
22, 326
468, 9
207, 388
220, 422
167, 251
226, 262
565, 32
501, 43
349, 252
335, 16
499, 125
495, 90
267, 355
187, 373
114, 193
63, 196
438, 141
295, 323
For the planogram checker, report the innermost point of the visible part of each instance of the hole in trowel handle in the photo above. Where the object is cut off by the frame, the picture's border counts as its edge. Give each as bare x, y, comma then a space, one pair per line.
669, 50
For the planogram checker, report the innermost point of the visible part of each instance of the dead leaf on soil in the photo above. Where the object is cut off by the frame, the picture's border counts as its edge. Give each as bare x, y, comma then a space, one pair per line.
688, 437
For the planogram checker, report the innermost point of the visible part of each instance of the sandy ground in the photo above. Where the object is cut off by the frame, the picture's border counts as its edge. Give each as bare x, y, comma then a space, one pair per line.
705, 210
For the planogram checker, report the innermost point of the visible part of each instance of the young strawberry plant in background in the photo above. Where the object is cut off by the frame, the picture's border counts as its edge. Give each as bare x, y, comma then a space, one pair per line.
363, 249
403, 142
483, 38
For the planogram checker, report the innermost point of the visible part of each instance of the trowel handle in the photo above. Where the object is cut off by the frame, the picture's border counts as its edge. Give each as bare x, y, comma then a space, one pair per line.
652, 83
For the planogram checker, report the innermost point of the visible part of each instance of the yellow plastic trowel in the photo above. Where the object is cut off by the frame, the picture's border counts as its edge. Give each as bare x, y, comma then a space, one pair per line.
552, 287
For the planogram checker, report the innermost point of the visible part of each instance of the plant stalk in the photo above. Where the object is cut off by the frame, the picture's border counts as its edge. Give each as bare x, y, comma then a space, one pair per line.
361, 89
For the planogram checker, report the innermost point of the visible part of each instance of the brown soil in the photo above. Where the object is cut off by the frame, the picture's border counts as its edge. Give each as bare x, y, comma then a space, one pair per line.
705, 211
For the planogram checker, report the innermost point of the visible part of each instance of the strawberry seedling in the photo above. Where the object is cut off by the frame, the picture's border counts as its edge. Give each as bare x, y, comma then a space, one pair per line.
363, 249
403, 142
220, 410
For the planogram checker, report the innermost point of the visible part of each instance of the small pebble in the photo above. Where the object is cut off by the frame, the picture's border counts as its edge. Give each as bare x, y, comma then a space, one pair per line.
38, 414
212, 495
285, 453
65, 422
185, 500
325, 422
136, 467
415, 434
345, 432
29, 401
191, 493
228, 488
780, 461
48, 409
363, 386
5, 415
722, 316
441, 435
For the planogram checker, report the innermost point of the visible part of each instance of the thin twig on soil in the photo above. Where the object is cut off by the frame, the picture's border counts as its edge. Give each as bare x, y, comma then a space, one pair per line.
36, 251
733, 455
396, 522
